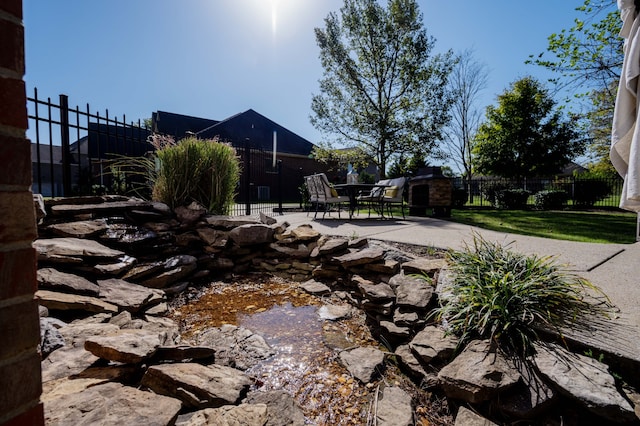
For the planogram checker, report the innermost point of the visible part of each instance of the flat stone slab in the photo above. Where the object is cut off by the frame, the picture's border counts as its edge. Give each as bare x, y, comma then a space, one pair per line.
412, 292
585, 380
50, 278
65, 302
249, 235
73, 247
364, 363
128, 296
477, 374
229, 222
334, 312
395, 408
315, 287
79, 229
76, 209
361, 257
197, 385
432, 343
243, 414
111, 404
125, 346
282, 408
423, 266
235, 346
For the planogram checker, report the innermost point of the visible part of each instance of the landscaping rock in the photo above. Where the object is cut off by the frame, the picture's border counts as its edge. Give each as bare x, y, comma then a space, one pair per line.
334, 245
65, 362
432, 344
196, 385
478, 374
184, 353
529, 398
395, 408
334, 312
361, 257
230, 222
412, 292
364, 363
243, 414
282, 409
175, 269
213, 237
236, 347
414, 368
111, 403
315, 287
130, 297
377, 292
249, 235
125, 346
54, 300
123, 265
295, 251
50, 337
585, 380
423, 266
467, 417
72, 249
79, 229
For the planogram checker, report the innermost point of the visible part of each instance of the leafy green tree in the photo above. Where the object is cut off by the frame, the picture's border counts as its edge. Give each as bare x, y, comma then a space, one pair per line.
382, 89
406, 166
525, 135
586, 60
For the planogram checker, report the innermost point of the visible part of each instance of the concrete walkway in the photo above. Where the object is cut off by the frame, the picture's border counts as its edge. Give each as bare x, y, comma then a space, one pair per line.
615, 268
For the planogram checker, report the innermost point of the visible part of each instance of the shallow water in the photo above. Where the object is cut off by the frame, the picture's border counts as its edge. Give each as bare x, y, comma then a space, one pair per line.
307, 347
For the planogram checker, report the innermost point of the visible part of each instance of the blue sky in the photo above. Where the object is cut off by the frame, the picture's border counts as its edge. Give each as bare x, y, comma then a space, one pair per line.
215, 58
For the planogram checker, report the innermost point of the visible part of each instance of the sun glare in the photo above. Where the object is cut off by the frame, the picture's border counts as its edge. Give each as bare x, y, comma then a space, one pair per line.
274, 17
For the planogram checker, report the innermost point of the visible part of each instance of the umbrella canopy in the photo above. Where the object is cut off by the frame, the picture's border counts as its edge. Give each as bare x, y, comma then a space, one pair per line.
625, 135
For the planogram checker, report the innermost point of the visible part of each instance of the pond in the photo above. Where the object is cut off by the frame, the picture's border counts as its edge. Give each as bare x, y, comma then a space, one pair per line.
306, 347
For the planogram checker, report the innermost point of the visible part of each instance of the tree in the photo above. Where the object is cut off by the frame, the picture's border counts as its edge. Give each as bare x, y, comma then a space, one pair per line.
382, 90
468, 79
587, 59
524, 136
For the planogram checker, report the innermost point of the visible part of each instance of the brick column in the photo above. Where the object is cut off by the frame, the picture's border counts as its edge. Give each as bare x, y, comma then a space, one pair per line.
20, 377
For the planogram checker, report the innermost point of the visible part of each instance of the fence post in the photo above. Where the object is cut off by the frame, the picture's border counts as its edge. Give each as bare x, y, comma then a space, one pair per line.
64, 139
280, 186
247, 174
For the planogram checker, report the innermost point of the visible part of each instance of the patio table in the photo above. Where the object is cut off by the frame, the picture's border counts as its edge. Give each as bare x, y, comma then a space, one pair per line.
354, 189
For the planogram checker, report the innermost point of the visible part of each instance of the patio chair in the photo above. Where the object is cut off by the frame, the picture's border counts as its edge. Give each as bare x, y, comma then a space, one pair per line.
373, 198
394, 194
322, 194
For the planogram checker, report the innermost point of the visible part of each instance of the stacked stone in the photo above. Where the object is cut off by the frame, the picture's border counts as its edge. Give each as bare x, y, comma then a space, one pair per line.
112, 262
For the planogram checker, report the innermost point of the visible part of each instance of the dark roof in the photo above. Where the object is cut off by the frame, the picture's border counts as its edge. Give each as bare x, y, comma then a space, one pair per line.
178, 125
259, 130
107, 140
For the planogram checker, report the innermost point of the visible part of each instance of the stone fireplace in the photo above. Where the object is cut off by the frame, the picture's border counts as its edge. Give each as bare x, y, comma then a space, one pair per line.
430, 190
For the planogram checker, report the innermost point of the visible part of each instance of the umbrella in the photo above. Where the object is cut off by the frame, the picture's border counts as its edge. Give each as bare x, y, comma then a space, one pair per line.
625, 135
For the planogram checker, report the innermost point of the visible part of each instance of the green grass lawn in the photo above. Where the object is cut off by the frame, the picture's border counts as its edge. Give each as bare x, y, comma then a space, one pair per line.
585, 226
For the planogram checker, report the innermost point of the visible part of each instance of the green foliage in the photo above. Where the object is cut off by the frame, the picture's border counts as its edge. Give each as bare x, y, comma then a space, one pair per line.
550, 199
524, 136
404, 166
508, 297
586, 60
460, 197
205, 171
490, 190
382, 89
586, 192
511, 199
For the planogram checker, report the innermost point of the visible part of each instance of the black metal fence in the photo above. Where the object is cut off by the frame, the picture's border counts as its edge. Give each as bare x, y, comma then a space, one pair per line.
581, 191
73, 152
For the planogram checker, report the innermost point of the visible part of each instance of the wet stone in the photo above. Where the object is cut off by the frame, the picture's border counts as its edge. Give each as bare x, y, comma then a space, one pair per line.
125, 346
315, 287
79, 229
364, 363
197, 385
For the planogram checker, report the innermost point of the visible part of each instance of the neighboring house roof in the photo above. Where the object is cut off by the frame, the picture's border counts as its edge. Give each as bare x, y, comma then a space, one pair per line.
178, 125
259, 130
46, 151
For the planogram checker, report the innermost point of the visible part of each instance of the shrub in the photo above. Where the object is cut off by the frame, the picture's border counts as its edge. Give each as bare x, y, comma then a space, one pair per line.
511, 199
205, 171
587, 192
497, 294
489, 191
550, 199
459, 197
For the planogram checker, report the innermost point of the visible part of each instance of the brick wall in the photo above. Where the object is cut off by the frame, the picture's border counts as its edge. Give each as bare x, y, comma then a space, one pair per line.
20, 379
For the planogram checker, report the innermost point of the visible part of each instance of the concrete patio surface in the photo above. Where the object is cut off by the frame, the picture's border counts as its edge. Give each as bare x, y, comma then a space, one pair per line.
614, 268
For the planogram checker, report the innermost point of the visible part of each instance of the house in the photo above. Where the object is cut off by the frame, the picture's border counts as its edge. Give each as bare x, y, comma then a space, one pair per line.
268, 144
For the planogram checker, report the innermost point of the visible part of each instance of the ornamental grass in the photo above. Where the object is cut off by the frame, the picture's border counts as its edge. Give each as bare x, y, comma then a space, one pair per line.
509, 298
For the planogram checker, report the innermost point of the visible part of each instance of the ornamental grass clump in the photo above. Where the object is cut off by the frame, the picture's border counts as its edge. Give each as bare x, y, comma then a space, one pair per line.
202, 170
508, 297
